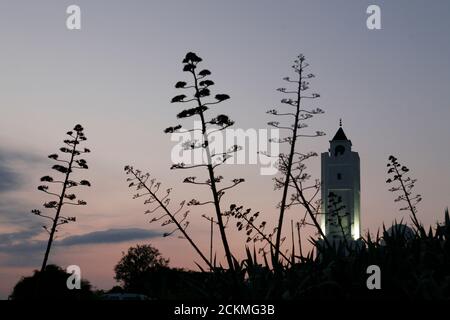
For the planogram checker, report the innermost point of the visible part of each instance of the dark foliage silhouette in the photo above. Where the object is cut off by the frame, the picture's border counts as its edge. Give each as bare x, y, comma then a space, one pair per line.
64, 167
413, 267
136, 265
55, 287
143, 270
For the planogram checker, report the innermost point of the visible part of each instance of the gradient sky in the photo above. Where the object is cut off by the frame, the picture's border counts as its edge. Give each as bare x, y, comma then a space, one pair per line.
116, 77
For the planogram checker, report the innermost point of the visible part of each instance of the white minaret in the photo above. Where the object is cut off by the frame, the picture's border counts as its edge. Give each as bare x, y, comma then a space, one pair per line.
341, 176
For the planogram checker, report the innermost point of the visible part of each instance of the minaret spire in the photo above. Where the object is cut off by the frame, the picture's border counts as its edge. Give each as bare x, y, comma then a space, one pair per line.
340, 122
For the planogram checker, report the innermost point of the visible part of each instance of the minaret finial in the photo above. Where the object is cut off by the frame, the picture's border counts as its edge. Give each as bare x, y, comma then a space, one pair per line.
340, 122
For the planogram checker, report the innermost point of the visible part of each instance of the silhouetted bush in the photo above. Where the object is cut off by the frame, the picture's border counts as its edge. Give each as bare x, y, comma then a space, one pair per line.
413, 266
50, 285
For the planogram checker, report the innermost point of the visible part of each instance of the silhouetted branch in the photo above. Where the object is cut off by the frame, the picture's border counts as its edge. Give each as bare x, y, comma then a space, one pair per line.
139, 180
236, 212
399, 173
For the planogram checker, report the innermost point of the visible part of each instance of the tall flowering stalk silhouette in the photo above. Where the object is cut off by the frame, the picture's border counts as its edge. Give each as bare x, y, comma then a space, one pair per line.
292, 165
200, 88
398, 174
65, 167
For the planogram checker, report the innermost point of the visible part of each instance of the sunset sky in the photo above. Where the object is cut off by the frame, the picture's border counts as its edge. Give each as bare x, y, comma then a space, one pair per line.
116, 77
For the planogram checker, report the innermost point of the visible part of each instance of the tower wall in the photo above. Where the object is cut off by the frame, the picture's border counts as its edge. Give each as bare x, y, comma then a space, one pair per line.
341, 176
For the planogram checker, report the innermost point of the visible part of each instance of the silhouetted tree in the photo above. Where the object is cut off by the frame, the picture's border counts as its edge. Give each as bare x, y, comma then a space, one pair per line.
201, 91
63, 197
136, 264
399, 174
292, 164
55, 288
150, 189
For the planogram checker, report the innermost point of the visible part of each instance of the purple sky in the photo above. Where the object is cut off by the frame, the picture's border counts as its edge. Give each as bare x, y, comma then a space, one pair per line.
116, 77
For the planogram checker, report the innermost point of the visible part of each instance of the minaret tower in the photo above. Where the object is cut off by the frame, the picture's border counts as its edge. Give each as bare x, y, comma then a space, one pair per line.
341, 177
